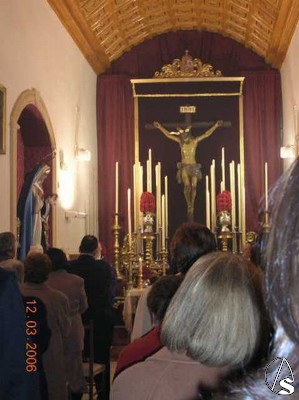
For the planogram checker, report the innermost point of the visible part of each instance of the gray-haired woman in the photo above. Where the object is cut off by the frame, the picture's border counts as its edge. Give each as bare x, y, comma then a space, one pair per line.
212, 326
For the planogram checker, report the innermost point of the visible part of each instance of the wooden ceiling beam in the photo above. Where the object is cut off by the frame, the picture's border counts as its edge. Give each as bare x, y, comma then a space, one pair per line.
74, 22
106, 29
283, 32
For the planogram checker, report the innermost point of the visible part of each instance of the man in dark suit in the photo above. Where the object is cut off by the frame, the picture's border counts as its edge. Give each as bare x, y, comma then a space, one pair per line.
97, 281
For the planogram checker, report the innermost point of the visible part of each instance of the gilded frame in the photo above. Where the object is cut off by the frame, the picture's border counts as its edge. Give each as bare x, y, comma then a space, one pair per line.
197, 81
2, 119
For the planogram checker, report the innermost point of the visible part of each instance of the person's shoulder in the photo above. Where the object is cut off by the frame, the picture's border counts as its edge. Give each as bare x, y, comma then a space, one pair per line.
104, 265
56, 294
137, 379
80, 262
71, 265
6, 275
74, 279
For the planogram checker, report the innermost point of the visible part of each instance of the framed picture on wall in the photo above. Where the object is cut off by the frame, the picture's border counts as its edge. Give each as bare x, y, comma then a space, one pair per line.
2, 119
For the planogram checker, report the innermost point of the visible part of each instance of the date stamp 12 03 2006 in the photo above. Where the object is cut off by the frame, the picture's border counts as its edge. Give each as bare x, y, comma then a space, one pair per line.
31, 309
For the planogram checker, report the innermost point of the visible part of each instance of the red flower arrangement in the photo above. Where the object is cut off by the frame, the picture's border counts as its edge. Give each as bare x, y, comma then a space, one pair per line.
224, 201
147, 202
146, 272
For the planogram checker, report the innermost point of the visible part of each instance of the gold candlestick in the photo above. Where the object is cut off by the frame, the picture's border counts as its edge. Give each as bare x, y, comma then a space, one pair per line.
131, 258
116, 230
164, 261
149, 238
140, 276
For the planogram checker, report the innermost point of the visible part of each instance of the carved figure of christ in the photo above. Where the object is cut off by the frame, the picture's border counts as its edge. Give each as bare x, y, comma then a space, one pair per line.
189, 171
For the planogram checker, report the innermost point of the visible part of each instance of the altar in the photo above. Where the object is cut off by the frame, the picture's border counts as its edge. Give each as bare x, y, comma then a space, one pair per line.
130, 306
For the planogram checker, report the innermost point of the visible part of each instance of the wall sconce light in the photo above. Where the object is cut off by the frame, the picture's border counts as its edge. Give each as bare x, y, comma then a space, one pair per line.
287, 151
75, 214
82, 154
63, 165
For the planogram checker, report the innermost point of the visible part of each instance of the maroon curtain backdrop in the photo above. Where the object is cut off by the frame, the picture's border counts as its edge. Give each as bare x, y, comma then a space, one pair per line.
262, 126
115, 143
262, 112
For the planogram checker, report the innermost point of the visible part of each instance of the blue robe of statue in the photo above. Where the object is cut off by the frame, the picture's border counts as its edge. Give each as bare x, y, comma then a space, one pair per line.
25, 213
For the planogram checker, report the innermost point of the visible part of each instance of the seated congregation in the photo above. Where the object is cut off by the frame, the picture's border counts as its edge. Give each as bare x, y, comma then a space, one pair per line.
216, 322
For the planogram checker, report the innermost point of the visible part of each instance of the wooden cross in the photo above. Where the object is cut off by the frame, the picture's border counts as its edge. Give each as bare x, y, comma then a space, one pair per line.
188, 111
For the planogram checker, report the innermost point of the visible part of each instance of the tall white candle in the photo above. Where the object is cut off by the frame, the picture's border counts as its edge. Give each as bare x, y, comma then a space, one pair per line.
208, 212
166, 205
223, 167
163, 221
239, 198
213, 195
266, 187
147, 176
157, 203
243, 217
140, 193
233, 192
158, 194
135, 192
150, 180
116, 187
129, 218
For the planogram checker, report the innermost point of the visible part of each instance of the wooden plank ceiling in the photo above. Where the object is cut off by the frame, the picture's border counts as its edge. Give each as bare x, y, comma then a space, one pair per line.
106, 29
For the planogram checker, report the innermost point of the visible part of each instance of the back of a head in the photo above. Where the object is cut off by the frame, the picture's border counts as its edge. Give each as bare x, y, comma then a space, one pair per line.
281, 255
161, 294
7, 244
37, 267
215, 314
190, 241
89, 244
57, 257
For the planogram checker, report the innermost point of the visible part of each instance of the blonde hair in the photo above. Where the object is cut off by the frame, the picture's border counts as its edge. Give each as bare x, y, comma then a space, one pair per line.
215, 315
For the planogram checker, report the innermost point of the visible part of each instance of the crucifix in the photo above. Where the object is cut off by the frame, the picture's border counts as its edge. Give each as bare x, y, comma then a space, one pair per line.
189, 171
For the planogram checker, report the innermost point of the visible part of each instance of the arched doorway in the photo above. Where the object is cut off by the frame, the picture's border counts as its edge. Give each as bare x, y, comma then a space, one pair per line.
33, 143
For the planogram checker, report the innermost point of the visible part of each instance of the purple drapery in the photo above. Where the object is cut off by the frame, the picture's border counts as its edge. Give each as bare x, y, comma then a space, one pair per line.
262, 113
115, 143
262, 127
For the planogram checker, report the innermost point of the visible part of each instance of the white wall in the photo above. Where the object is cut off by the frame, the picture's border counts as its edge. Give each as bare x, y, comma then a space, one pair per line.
290, 93
37, 52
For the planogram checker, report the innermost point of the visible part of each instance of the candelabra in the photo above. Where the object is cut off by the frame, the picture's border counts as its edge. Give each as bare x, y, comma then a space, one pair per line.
149, 238
116, 230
